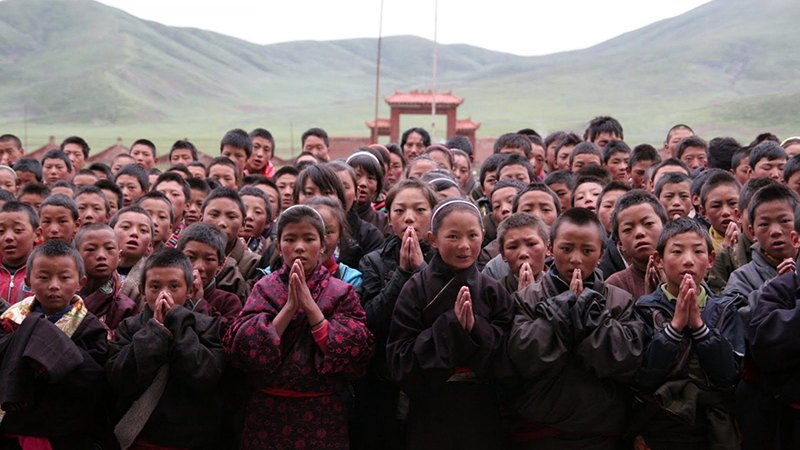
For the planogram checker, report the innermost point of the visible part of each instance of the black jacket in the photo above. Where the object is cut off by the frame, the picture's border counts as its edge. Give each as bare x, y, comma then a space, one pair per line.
364, 238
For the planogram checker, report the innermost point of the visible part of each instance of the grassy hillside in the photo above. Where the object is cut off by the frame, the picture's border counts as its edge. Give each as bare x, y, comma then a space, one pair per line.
81, 67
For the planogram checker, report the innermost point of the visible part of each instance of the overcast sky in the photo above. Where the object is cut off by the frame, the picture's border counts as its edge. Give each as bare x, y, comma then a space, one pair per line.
521, 27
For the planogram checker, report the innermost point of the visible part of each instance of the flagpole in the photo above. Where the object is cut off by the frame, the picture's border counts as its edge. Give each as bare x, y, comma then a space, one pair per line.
433, 92
378, 76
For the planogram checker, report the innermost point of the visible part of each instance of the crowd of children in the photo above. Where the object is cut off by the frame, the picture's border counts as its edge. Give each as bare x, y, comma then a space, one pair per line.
579, 293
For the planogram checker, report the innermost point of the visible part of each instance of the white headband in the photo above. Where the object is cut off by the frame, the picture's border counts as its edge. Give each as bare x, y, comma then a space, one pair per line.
443, 179
433, 217
349, 158
306, 206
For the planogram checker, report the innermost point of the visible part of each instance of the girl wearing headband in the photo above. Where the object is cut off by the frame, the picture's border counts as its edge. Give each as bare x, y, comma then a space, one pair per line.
369, 185
301, 336
446, 345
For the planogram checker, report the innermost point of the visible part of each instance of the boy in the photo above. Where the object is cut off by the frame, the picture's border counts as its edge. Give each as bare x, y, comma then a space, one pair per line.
523, 241
56, 166
225, 171
33, 194
101, 170
513, 143
586, 192
98, 246
260, 160
121, 161
179, 194
488, 178
674, 192
674, 136
516, 167
160, 210
561, 182
771, 217
133, 181
76, 148
693, 347
58, 218
135, 231
551, 143
182, 152
768, 160
11, 149
204, 245
143, 152
564, 150
615, 158
608, 200
665, 167
693, 151
84, 177
584, 154
19, 229
258, 215
170, 349
284, 180
8, 180
603, 130
236, 146
28, 170
316, 142
502, 198
197, 169
93, 206
791, 173
574, 343
199, 191
113, 194
642, 157
740, 165
52, 351
636, 223
719, 200
63, 187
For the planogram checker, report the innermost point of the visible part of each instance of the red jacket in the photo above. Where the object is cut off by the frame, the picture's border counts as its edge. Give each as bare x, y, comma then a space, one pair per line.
10, 284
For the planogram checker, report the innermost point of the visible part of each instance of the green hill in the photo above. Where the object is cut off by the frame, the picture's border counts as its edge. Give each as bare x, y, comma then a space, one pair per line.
80, 67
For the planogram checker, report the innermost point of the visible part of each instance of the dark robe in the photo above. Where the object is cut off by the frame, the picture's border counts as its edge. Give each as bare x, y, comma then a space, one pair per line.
377, 218
364, 238
110, 305
226, 304
447, 372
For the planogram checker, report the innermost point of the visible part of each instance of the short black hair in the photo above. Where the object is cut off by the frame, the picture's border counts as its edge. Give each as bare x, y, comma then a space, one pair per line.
198, 184
86, 190
594, 170
773, 192
519, 220
570, 140
256, 192
62, 201
426, 138
102, 167
721, 151
633, 198
30, 165
560, 177
580, 217
536, 187
643, 152
461, 143
206, 234
15, 206
224, 161
513, 140
180, 168
743, 153
770, 150
675, 128
34, 189
285, 170
320, 133
155, 195
237, 138
672, 178
579, 181
90, 228
147, 143
54, 249
682, 225
505, 184
554, 137
76, 140
411, 183
792, 166
603, 124
183, 144
264, 134
136, 210
64, 183
223, 192
750, 188
529, 132
690, 142
765, 137
137, 172
716, 180
111, 186
670, 162
85, 172
517, 160
174, 177
196, 164
614, 185
436, 148
164, 258
491, 164
12, 138
585, 148
6, 196
58, 154
614, 147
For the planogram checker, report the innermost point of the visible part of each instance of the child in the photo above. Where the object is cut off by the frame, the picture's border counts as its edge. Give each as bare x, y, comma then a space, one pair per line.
56, 166
19, 229
538, 200
674, 136
587, 191
121, 161
225, 171
444, 187
420, 166
284, 179
636, 223
199, 191
561, 182
397, 165
335, 240
93, 206
602, 130
98, 246
113, 194
665, 167
263, 149
462, 167
10, 149
258, 215
523, 241
204, 245
674, 192
161, 212
693, 346
740, 165
564, 150
8, 180
607, 200
768, 160
58, 218
719, 200
615, 158
584, 154
300, 337
447, 340
513, 143
771, 213
135, 231
28, 170
316, 142
144, 153
574, 338
197, 170
173, 353
369, 184
177, 190
441, 155
182, 152
271, 190
84, 177
516, 167
237, 147
487, 179
6, 197
642, 157
693, 151
63, 187
53, 352
33, 194
502, 200
791, 173
133, 181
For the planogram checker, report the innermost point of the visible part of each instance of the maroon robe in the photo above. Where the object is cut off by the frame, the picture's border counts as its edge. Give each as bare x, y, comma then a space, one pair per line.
109, 304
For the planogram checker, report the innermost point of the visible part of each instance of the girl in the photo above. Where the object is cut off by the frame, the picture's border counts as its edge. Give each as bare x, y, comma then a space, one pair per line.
462, 167
300, 337
397, 166
336, 240
369, 180
420, 166
443, 183
441, 155
447, 339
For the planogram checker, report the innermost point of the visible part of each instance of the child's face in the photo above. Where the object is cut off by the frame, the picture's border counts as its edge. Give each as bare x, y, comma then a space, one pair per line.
17, 236
618, 166
151, 178
720, 207
91, 209
685, 253
458, 239
410, 208
606, 208
131, 189
770, 169
101, 175
197, 171
224, 213
84, 179
395, 172
460, 168
204, 259
576, 247
537, 158
224, 174
56, 222
512, 151
562, 159
32, 200
273, 196
144, 157
773, 227
316, 145
675, 138
441, 159
421, 168
262, 153
285, 185
100, 253
515, 172
524, 245
347, 184
367, 185
584, 159
602, 139
54, 169
169, 279
180, 156
256, 219
159, 212
742, 171
488, 182
332, 232
133, 234
8, 181
113, 205
586, 196
235, 154
539, 204
174, 193
54, 281
501, 203
121, 162
300, 240
794, 181
563, 192
637, 173
26, 177
192, 214
639, 227
451, 192
676, 199
695, 158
